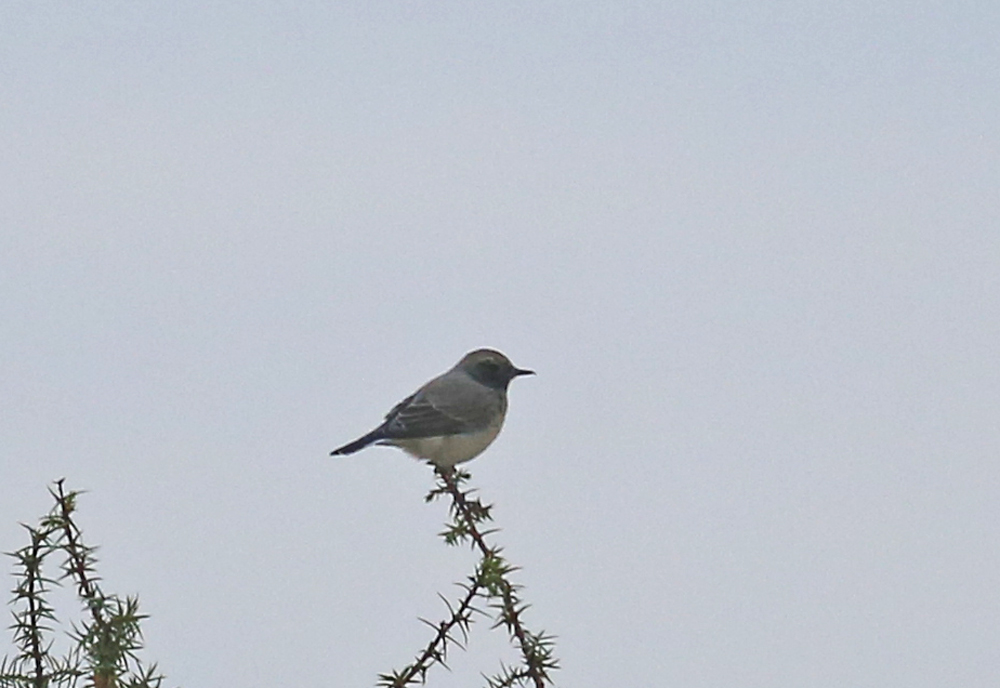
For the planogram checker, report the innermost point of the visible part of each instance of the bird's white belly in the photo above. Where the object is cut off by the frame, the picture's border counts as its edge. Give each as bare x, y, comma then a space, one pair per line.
448, 450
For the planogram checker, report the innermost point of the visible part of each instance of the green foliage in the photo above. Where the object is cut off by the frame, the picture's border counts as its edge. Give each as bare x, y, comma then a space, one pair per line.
490, 583
105, 643
104, 648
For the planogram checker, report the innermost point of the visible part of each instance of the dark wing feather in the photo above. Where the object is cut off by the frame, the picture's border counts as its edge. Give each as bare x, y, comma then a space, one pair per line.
419, 418
444, 406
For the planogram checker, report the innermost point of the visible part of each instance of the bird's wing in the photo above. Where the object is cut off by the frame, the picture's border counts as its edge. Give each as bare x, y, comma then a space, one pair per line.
447, 405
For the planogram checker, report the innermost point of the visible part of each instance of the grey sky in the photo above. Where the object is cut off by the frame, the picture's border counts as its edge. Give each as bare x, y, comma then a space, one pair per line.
752, 250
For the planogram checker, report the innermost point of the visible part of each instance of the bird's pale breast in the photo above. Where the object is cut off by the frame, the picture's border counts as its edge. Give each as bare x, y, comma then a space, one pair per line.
448, 450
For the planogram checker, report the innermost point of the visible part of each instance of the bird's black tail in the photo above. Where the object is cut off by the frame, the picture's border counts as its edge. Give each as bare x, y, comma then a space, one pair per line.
358, 444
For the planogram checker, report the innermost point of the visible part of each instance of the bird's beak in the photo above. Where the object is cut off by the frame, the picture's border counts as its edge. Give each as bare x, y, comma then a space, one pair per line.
522, 371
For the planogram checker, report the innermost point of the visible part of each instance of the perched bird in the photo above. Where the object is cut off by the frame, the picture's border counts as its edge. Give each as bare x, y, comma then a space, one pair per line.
452, 418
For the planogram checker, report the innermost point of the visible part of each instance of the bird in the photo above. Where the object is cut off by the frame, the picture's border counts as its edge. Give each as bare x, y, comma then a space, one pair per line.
451, 419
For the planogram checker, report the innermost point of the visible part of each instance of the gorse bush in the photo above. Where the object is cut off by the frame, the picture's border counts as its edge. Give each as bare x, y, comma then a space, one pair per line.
489, 584
104, 644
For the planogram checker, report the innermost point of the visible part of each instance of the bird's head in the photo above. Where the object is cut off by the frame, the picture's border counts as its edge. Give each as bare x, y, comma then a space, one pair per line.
491, 368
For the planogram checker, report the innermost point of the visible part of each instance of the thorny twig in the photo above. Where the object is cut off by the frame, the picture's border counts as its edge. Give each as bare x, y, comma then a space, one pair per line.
489, 582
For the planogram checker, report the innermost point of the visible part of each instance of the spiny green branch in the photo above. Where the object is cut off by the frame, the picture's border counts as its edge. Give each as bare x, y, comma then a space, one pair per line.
105, 646
491, 583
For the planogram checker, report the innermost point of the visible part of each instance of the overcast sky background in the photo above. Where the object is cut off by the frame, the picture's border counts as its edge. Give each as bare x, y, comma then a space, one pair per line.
752, 250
